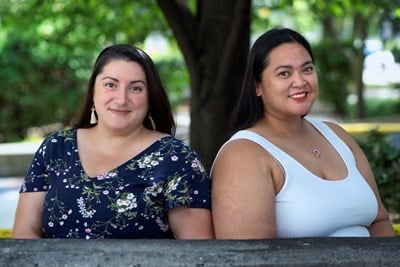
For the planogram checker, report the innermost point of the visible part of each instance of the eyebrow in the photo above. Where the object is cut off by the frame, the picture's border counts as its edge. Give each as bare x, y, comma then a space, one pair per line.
290, 66
115, 79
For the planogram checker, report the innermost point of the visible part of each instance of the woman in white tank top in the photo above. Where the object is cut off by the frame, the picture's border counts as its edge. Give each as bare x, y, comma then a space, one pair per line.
284, 175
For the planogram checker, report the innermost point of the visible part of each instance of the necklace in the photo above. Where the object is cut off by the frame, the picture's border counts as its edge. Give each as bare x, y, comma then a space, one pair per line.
316, 152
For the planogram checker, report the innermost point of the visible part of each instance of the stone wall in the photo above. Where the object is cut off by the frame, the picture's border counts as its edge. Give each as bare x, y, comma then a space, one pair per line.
280, 252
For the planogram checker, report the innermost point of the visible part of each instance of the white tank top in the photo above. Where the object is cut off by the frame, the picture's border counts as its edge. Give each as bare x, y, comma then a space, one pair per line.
309, 206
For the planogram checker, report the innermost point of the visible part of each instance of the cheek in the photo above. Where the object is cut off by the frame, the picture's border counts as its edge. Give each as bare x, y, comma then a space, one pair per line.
102, 97
314, 82
100, 93
140, 100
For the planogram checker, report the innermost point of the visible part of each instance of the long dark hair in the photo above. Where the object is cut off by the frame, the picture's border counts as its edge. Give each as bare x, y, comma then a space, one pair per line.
250, 108
159, 105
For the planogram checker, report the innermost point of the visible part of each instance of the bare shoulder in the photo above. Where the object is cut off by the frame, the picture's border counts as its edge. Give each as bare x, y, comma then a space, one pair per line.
242, 158
239, 145
341, 132
335, 127
346, 137
240, 150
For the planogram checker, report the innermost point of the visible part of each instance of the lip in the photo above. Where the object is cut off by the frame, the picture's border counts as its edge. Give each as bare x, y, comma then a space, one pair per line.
119, 111
299, 95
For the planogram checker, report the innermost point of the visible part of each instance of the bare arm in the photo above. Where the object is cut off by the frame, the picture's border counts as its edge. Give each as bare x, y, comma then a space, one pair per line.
191, 223
28, 220
381, 225
243, 193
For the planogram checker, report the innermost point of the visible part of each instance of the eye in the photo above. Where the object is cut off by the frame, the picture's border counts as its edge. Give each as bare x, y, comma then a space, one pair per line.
110, 85
309, 69
284, 74
137, 89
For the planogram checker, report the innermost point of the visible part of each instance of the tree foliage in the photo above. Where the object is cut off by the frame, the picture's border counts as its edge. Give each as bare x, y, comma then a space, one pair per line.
47, 49
37, 89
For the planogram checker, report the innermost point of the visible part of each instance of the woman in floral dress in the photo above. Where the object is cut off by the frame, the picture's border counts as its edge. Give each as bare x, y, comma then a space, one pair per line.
119, 172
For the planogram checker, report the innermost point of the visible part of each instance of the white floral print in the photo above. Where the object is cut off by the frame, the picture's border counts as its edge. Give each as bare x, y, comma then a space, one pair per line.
130, 201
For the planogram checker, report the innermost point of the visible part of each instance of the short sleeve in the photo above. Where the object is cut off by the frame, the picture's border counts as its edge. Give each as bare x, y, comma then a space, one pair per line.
189, 185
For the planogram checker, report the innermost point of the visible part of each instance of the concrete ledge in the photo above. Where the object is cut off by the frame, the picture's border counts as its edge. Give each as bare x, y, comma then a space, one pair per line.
280, 252
16, 157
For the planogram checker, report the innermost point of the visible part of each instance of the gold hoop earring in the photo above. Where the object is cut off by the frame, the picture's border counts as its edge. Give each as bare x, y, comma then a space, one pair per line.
93, 119
153, 125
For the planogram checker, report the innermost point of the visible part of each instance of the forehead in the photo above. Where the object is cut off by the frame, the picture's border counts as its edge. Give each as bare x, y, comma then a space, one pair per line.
121, 67
288, 54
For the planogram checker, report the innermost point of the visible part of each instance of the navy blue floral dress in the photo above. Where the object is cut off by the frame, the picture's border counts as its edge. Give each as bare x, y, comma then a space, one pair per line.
130, 201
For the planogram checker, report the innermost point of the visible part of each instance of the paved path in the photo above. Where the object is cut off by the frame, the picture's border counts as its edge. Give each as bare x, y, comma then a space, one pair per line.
9, 188
10, 155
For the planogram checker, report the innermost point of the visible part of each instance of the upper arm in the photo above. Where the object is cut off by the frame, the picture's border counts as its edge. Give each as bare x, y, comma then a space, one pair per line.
28, 221
191, 223
381, 225
243, 195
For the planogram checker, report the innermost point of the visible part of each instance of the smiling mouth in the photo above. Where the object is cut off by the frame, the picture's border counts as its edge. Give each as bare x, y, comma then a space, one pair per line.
298, 96
120, 111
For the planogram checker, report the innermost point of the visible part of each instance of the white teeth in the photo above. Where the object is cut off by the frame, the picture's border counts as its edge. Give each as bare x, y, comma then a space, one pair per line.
299, 95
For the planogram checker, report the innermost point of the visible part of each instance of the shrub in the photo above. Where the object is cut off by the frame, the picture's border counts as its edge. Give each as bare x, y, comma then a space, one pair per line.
384, 159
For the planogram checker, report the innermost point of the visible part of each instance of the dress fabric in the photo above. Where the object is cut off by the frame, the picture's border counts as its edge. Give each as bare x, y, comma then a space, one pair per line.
309, 206
130, 201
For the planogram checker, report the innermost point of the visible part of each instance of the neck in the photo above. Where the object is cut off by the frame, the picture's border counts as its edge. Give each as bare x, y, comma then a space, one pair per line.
283, 127
115, 138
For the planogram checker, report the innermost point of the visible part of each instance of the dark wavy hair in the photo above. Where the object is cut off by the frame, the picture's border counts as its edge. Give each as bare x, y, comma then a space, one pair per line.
159, 105
250, 108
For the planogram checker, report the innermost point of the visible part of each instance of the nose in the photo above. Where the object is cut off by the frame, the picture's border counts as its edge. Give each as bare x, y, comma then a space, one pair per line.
121, 96
299, 80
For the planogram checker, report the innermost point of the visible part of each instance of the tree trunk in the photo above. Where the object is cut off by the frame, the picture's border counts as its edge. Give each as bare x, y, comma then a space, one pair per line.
215, 44
358, 71
361, 28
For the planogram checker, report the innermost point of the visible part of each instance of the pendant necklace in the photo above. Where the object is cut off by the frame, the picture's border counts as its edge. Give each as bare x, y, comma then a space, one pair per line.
316, 152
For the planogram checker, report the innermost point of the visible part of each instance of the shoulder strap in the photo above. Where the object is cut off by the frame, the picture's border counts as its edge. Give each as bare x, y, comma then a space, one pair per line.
281, 157
340, 146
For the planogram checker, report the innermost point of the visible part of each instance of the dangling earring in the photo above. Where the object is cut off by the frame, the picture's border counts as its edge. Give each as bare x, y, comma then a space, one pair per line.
153, 125
93, 119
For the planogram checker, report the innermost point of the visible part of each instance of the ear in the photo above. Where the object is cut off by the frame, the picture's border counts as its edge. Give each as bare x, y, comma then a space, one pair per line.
257, 86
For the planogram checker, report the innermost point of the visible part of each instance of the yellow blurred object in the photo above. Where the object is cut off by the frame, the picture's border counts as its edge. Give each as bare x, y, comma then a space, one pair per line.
359, 128
5, 233
396, 228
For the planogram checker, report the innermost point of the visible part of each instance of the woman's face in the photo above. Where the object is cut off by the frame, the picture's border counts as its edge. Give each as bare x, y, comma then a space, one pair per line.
289, 83
121, 96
